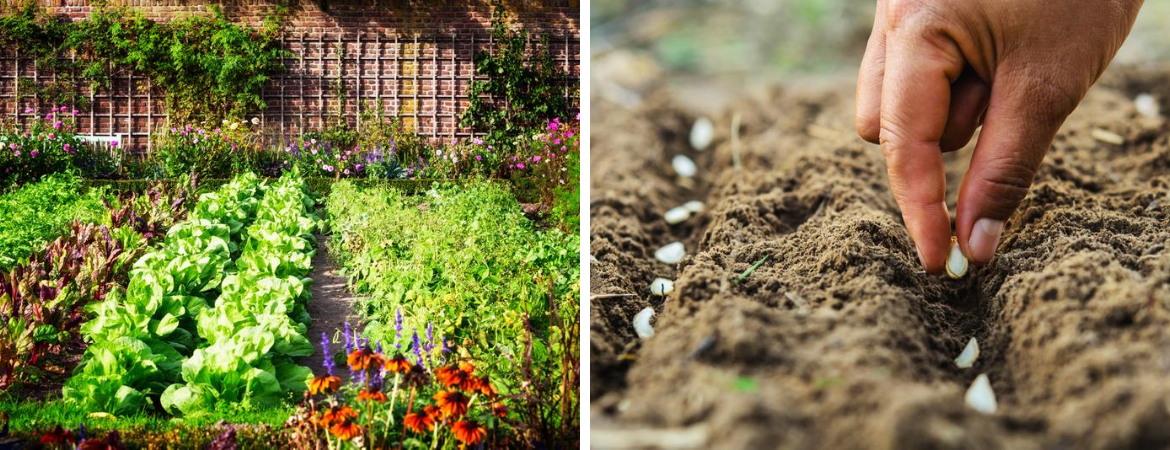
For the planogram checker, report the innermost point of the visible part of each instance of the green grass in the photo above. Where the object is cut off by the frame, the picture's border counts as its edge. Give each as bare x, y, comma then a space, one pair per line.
30, 419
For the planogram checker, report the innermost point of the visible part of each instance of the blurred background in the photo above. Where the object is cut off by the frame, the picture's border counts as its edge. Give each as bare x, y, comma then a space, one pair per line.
714, 50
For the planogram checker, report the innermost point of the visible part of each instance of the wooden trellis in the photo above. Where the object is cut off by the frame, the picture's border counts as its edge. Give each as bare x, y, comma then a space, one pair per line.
421, 79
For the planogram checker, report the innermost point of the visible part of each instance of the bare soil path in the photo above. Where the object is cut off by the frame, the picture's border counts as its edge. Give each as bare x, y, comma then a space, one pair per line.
330, 307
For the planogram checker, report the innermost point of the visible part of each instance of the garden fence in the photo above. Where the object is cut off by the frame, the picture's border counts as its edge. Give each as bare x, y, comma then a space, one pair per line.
421, 79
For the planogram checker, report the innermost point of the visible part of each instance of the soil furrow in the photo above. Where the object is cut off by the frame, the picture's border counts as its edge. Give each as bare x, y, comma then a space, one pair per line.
839, 340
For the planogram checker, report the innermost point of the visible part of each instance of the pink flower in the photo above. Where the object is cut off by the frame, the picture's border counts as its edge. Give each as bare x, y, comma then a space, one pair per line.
114, 144
34, 153
520, 166
28, 111
357, 167
552, 126
75, 112
67, 149
57, 125
569, 134
16, 153
49, 116
552, 155
52, 136
557, 141
314, 151
478, 158
563, 149
477, 141
536, 159
346, 171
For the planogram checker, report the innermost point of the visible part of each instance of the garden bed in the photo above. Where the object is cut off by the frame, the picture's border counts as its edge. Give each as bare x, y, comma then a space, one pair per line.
838, 339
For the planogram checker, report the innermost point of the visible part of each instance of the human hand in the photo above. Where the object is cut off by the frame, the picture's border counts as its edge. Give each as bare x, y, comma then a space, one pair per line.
933, 72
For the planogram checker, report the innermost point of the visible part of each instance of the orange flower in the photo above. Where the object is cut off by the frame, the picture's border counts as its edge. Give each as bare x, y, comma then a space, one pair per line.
452, 376
433, 412
484, 386
469, 432
419, 422
453, 404
336, 415
499, 410
319, 385
346, 429
467, 367
398, 364
370, 394
362, 359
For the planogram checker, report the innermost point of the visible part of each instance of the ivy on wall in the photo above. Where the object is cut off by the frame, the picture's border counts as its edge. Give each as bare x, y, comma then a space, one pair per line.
522, 91
206, 67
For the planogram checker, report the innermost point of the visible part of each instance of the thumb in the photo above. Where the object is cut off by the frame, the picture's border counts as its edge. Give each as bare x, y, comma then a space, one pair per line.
1022, 118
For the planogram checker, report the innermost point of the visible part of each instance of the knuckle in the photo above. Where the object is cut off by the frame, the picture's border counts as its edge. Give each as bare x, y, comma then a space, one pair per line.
867, 127
904, 14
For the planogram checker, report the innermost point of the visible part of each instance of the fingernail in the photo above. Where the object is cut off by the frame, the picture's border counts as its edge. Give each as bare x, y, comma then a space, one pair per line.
984, 239
921, 260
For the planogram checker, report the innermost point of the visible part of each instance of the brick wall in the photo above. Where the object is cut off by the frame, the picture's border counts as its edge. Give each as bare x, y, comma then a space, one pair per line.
414, 58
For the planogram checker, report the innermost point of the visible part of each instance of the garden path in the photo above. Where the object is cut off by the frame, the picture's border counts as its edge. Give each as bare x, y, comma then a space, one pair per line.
330, 307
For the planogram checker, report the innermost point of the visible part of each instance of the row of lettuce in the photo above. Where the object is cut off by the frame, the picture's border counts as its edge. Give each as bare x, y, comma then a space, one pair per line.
214, 317
63, 248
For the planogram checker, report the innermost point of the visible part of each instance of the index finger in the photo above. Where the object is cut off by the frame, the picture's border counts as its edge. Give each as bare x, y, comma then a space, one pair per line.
916, 93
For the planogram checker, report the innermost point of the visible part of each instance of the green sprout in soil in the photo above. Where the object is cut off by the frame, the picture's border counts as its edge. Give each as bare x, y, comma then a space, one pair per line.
751, 269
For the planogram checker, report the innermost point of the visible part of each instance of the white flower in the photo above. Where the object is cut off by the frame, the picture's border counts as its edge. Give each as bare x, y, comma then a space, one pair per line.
235, 125
255, 121
225, 122
438, 152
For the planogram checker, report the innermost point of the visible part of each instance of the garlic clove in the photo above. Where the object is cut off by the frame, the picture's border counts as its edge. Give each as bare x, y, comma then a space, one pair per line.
684, 166
1145, 104
677, 215
956, 262
642, 323
694, 206
671, 253
967, 358
980, 397
661, 287
702, 133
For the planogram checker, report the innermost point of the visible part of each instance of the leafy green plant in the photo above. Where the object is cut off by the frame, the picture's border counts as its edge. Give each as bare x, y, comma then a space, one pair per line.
37, 213
138, 339
207, 67
522, 90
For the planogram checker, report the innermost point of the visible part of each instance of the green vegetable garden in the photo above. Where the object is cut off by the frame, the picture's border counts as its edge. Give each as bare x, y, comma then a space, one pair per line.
169, 299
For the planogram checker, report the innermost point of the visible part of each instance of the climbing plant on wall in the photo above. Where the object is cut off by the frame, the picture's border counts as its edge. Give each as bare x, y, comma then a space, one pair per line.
206, 66
523, 91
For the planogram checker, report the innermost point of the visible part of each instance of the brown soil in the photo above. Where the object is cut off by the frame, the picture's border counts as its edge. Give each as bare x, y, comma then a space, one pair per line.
839, 340
330, 307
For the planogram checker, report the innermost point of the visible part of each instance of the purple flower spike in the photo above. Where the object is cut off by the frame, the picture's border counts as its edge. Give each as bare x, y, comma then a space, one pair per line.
398, 328
348, 333
325, 351
418, 349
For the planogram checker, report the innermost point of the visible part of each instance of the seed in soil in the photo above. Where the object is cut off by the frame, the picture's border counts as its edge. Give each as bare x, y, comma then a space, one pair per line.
969, 355
642, 323
1145, 104
1107, 136
661, 287
671, 253
980, 397
956, 262
677, 215
684, 166
694, 206
702, 133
